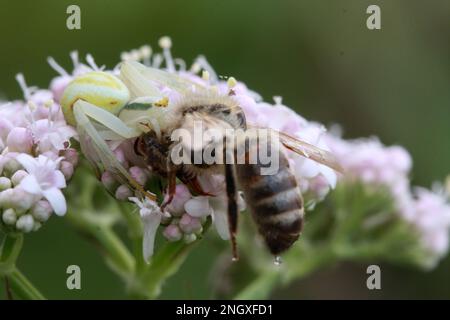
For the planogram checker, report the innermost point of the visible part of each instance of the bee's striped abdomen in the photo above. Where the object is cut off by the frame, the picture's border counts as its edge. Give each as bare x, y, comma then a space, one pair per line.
275, 202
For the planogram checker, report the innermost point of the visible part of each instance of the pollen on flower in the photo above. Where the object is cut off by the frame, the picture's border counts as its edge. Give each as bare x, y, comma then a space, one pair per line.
165, 42
205, 75
231, 82
195, 68
145, 51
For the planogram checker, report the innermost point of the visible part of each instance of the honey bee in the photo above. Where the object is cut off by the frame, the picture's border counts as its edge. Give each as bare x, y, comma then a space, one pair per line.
133, 107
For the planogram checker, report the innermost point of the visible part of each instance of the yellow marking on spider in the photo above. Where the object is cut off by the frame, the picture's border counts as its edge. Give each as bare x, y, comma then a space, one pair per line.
164, 102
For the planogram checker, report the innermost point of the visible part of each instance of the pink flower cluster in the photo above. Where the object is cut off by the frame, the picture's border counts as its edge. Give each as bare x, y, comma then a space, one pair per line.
185, 216
369, 161
40, 131
35, 159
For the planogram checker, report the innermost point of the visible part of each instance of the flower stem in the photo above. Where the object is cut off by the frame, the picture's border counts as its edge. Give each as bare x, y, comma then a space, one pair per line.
305, 262
20, 285
135, 232
261, 287
165, 263
117, 253
23, 287
9, 252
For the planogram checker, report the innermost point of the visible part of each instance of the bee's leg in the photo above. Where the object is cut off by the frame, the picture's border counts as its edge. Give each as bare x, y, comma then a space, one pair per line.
172, 184
232, 207
98, 152
190, 179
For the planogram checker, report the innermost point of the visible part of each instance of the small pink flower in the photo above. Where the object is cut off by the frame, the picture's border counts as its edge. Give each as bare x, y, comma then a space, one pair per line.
108, 180
151, 216
42, 210
138, 174
52, 135
5, 128
123, 192
172, 233
182, 195
70, 155
44, 179
189, 224
67, 169
19, 140
432, 218
58, 85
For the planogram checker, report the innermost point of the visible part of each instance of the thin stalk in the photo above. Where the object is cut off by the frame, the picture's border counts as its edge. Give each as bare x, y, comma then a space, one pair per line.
22, 287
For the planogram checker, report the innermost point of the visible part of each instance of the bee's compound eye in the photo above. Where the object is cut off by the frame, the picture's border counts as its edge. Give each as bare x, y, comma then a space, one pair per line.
101, 89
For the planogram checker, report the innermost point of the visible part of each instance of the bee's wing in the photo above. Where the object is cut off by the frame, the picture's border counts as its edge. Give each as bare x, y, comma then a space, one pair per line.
100, 155
143, 80
209, 124
308, 150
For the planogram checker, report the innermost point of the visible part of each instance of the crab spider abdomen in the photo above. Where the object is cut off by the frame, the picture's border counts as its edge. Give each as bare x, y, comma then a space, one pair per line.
101, 89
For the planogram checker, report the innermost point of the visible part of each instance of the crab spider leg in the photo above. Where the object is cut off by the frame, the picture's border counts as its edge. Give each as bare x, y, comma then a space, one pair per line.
107, 119
95, 149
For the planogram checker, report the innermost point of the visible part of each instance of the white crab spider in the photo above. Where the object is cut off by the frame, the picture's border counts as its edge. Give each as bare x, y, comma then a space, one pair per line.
104, 107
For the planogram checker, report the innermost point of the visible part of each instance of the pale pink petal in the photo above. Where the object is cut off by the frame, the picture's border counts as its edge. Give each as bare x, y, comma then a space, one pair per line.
56, 199
27, 161
329, 175
220, 218
31, 185
60, 180
151, 223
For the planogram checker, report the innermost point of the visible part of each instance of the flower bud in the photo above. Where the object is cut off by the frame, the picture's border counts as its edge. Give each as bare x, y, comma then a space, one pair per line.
120, 156
11, 165
71, 155
18, 176
123, 193
21, 200
40, 97
182, 194
139, 175
166, 218
19, 140
5, 198
67, 169
58, 85
5, 183
189, 238
42, 211
189, 224
25, 223
5, 128
37, 225
9, 217
172, 233
108, 180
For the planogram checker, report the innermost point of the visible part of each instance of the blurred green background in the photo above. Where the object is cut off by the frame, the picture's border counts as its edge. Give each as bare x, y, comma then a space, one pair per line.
319, 55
